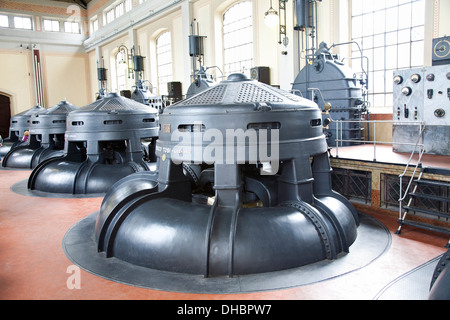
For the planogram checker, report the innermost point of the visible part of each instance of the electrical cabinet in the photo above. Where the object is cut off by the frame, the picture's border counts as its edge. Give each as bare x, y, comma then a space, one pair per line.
422, 95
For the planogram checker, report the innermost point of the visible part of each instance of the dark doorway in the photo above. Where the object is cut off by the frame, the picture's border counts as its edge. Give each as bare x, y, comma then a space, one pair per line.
5, 115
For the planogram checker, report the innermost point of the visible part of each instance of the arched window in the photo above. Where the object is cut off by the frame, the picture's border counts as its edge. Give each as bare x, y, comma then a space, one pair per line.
238, 38
121, 70
164, 61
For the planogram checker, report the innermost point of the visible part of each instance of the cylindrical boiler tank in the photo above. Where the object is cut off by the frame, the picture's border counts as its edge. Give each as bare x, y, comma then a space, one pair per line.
260, 155
104, 143
46, 138
337, 85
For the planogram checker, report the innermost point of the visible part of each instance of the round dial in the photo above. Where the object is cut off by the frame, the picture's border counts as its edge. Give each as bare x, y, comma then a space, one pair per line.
442, 48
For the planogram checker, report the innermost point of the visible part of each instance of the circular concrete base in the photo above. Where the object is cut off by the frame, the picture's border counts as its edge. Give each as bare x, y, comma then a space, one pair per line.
21, 188
80, 247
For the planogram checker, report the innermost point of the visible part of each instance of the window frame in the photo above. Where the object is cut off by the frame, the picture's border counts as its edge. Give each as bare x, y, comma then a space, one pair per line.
167, 65
94, 25
233, 51
119, 9
7, 20
71, 27
110, 15
382, 43
52, 24
128, 5
121, 70
22, 18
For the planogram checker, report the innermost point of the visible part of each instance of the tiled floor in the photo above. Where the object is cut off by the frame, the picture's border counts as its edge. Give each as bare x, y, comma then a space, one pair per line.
34, 266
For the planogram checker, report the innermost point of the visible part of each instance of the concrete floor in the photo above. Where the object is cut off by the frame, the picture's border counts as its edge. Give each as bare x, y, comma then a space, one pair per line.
33, 265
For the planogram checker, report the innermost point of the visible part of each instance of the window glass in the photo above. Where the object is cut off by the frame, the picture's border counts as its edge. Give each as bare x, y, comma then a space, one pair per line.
22, 23
4, 21
121, 70
397, 27
164, 61
71, 27
95, 25
51, 25
238, 38
128, 5
119, 10
110, 16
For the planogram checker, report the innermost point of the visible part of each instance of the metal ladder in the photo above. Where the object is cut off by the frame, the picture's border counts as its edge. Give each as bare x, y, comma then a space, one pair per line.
404, 210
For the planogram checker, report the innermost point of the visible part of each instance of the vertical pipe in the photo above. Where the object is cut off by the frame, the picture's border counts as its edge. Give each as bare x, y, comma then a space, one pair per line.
41, 91
39, 94
316, 24
36, 81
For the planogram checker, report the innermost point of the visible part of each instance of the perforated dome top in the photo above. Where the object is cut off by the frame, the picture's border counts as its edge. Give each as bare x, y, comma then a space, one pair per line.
116, 104
240, 92
62, 107
52, 119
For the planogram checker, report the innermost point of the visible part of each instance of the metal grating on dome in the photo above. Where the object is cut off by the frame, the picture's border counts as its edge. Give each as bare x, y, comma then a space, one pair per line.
61, 108
213, 96
112, 105
291, 96
114, 102
249, 92
92, 106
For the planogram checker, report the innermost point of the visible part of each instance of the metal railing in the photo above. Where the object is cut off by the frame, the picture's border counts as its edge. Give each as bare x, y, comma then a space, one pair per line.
418, 148
340, 140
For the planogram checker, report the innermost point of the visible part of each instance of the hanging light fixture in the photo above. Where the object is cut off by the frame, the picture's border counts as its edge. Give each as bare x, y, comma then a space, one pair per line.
271, 16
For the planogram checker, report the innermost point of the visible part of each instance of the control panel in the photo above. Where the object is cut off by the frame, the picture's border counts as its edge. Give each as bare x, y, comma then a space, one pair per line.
422, 94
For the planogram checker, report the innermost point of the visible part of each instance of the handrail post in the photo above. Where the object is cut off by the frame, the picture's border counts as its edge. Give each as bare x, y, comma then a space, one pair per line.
374, 141
337, 139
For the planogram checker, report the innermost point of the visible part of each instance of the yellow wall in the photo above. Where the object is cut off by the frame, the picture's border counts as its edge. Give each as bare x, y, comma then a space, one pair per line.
66, 77
93, 77
16, 79
444, 21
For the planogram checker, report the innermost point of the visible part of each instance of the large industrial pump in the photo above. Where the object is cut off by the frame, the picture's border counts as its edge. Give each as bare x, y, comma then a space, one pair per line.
46, 138
104, 142
19, 123
243, 187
